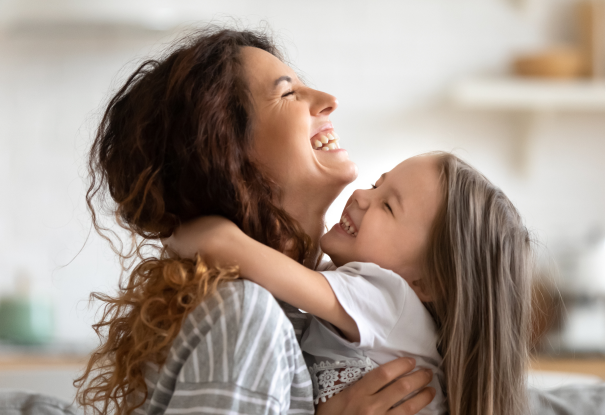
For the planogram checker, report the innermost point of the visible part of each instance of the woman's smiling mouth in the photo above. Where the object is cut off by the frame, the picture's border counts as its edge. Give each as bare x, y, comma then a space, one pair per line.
325, 140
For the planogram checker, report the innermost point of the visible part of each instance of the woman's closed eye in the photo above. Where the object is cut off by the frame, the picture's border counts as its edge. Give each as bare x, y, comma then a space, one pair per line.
288, 94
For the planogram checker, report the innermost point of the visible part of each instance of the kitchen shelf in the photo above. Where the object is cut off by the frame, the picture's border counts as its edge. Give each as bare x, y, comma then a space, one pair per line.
529, 95
529, 101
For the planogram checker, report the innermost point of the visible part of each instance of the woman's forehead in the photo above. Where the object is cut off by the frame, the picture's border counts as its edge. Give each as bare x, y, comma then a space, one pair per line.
265, 71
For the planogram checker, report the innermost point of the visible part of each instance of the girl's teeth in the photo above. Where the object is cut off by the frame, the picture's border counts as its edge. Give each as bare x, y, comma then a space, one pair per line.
335, 136
330, 136
346, 225
325, 149
324, 139
317, 144
332, 146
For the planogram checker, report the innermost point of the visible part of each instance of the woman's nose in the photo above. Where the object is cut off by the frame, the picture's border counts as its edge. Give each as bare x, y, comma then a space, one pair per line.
323, 103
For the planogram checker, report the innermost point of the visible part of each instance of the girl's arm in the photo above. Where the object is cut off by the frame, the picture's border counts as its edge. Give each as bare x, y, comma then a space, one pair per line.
220, 242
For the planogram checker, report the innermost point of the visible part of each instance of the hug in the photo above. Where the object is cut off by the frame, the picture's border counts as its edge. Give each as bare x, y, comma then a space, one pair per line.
219, 151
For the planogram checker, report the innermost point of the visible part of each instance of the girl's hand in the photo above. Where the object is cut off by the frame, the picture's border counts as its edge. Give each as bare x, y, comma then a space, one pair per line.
373, 394
208, 236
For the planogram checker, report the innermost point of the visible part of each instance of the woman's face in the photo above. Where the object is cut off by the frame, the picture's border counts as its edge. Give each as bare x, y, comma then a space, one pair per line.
291, 122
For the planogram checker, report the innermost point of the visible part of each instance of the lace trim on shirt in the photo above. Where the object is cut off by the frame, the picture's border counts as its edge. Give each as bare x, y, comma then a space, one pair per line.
330, 378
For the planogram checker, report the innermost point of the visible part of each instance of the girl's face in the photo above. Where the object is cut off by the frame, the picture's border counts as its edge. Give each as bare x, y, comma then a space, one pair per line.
390, 224
290, 120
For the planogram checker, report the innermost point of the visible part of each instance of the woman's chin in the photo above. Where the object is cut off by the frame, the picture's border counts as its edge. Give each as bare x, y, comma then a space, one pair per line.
352, 172
341, 172
337, 166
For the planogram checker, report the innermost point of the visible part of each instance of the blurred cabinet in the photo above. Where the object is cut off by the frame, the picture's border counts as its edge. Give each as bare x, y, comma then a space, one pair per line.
51, 375
593, 366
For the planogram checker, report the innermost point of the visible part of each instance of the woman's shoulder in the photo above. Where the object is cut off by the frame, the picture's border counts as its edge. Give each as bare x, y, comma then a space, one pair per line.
233, 346
236, 314
258, 302
241, 292
234, 300
241, 304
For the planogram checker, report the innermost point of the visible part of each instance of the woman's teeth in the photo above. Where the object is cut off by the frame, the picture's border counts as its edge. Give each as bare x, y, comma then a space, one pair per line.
347, 227
326, 142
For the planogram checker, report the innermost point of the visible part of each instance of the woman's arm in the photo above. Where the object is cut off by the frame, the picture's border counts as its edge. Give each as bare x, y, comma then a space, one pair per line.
221, 242
383, 387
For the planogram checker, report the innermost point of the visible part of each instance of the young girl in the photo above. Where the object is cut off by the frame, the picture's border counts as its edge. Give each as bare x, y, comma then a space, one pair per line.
433, 263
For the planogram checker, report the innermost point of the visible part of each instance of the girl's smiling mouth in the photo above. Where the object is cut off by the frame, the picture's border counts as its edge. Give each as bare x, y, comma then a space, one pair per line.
347, 225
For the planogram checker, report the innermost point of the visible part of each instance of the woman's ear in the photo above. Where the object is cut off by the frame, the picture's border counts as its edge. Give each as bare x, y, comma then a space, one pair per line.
421, 290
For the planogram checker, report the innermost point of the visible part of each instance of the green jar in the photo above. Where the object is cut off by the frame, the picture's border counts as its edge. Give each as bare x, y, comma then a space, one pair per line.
26, 320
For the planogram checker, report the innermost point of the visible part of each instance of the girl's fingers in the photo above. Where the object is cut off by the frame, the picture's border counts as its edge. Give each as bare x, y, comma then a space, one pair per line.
404, 386
377, 379
415, 404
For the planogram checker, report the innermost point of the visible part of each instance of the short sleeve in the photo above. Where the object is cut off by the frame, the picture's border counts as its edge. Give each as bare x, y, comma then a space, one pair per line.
374, 297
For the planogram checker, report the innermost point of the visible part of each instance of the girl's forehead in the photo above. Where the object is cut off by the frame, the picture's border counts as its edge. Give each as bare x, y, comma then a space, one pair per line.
415, 166
414, 179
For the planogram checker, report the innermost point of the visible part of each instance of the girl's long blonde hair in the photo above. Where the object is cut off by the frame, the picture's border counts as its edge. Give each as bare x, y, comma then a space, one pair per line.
478, 270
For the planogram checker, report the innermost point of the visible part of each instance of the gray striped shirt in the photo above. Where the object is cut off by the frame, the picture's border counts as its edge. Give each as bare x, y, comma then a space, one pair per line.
237, 353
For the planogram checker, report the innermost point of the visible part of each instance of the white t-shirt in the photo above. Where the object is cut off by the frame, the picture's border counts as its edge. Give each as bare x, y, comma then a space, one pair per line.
392, 321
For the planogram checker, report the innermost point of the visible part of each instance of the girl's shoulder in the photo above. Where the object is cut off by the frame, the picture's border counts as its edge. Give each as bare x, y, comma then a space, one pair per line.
326, 265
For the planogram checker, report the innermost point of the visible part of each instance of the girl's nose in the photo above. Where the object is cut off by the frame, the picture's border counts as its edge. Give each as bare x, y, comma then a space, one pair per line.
322, 103
361, 197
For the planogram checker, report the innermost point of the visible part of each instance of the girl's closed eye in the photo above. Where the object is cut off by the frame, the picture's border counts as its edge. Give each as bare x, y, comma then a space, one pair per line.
389, 208
373, 186
291, 92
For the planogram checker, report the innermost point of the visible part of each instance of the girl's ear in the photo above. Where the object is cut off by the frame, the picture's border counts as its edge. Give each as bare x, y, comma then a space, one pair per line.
421, 290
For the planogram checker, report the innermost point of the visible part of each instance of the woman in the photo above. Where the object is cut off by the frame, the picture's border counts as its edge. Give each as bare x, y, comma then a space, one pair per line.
218, 126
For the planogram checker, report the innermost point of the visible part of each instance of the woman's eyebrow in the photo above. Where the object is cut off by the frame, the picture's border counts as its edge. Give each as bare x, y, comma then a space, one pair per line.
282, 79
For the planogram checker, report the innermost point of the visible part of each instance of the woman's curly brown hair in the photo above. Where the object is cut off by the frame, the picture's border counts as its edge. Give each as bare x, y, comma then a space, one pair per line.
174, 143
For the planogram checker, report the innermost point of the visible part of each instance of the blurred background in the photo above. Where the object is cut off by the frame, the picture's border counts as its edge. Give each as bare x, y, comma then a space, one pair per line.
515, 87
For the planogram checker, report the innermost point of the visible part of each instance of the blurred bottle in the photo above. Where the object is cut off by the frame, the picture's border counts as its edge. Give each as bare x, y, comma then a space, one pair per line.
26, 316
591, 14
583, 58
584, 325
591, 271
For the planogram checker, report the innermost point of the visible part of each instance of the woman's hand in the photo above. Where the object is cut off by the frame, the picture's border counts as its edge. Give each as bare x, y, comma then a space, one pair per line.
208, 236
370, 395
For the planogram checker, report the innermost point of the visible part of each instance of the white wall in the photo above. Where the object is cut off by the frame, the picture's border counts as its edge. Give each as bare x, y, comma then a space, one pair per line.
390, 63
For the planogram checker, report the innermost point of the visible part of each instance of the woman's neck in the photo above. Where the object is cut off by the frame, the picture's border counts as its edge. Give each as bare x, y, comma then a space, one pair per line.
310, 216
